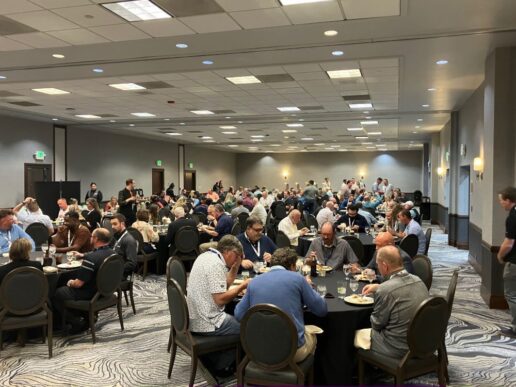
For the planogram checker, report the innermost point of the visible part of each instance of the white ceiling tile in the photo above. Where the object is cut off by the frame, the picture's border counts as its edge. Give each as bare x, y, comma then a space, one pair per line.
78, 36
11, 45
245, 5
14, 6
384, 62
216, 22
89, 16
38, 40
302, 68
120, 32
262, 18
50, 4
314, 12
266, 70
354, 9
43, 21
163, 27
339, 65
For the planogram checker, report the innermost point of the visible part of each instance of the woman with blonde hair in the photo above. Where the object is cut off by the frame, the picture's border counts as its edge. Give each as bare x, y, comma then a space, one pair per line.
149, 235
19, 253
92, 214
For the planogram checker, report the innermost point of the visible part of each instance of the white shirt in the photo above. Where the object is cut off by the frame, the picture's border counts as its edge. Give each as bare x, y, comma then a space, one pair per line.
289, 229
25, 217
266, 202
62, 213
326, 186
259, 211
325, 215
208, 277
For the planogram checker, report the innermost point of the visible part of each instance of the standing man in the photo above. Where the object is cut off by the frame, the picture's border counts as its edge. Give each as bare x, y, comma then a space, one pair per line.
507, 255
127, 202
124, 244
326, 185
9, 231
94, 193
309, 196
377, 187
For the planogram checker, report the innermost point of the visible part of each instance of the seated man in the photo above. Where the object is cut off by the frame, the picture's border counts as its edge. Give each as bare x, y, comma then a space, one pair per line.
124, 244
395, 303
259, 210
9, 231
409, 205
222, 223
327, 214
238, 209
179, 222
353, 219
83, 286
72, 235
371, 220
386, 239
329, 250
208, 292
289, 291
412, 227
63, 208
28, 212
19, 254
288, 225
257, 246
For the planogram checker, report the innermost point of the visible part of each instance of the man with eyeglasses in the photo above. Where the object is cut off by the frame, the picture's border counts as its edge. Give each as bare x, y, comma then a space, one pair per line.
10, 231
257, 246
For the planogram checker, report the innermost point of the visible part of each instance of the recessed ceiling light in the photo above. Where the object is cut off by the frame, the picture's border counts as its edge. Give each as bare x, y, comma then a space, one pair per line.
131, 124
307, 139
329, 149
295, 125
285, 136
330, 33
355, 129
227, 127
126, 86
201, 112
414, 132
182, 123
98, 70
206, 137
370, 147
87, 116
58, 56
301, 119
182, 45
227, 117
337, 53
320, 144
244, 80
208, 141
55, 119
3, 77
288, 109
112, 121
240, 122
335, 146
304, 150
367, 143
360, 105
294, 2
368, 122
275, 145
374, 133
258, 136
166, 119
432, 89
441, 62
289, 131
207, 62
174, 134
252, 147
362, 138
136, 10
382, 150
51, 91
233, 146
143, 114
229, 132
425, 105
381, 145
256, 140
420, 120
417, 126
336, 74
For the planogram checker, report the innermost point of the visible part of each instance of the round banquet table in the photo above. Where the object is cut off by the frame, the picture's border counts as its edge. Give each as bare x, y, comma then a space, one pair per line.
335, 356
366, 239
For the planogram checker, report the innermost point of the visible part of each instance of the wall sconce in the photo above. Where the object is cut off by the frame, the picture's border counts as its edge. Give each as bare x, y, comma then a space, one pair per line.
478, 167
440, 172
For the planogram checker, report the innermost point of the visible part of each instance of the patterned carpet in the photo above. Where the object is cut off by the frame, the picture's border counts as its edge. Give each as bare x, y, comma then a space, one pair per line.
138, 357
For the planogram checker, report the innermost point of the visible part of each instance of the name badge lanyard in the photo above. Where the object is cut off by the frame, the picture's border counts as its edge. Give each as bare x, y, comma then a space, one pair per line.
256, 251
120, 239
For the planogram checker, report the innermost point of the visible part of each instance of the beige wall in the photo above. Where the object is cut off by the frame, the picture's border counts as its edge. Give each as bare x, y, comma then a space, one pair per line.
402, 168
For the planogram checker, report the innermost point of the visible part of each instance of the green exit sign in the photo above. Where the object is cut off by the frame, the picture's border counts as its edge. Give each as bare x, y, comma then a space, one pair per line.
40, 155
190, 165
159, 163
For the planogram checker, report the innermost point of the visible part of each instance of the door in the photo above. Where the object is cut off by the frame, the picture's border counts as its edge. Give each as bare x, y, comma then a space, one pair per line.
34, 173
158, 180
190, 183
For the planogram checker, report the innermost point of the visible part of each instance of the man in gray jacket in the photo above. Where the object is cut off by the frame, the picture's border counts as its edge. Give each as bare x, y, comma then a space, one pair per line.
395, 303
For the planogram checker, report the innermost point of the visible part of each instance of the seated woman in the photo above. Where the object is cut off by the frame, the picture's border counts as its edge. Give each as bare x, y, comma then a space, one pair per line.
112, 205
149, 235
19, 253
92, 214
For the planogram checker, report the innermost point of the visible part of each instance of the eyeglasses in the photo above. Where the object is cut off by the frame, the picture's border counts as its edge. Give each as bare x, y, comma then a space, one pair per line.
257, 230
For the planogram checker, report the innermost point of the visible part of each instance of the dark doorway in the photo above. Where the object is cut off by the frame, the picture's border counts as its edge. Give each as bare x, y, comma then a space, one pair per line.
35, 173
190, 183
158, 180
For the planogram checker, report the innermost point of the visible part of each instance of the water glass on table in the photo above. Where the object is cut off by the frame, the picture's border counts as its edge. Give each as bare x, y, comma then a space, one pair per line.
342, 289
44, 248
353, 285
245, 275
70, 257
321, 289
313, 230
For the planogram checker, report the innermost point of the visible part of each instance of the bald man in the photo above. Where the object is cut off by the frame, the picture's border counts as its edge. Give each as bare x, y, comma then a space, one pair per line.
386, 239
288, 225
327, 214
395, 303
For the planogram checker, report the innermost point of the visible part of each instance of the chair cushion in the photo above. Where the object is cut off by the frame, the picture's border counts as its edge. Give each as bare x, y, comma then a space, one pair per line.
12, 322
208, 343
391, 363
102, 303
283, 376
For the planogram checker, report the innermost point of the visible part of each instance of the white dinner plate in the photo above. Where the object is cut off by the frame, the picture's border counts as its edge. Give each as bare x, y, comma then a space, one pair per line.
356, 299
71, 265
49, 269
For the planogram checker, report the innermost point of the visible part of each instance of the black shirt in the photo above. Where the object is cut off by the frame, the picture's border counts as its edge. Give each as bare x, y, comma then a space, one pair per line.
93, 219
90, 266
358, 220
95, 195
510, 233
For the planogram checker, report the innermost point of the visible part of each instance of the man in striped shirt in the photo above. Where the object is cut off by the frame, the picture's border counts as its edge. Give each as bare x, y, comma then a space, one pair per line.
83, 286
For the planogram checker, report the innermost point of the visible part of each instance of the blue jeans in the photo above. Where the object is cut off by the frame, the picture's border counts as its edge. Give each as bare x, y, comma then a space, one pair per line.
509, 284
222, 359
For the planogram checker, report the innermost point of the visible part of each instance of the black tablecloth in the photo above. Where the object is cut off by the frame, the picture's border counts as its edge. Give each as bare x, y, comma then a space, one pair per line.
366, 239
335, 356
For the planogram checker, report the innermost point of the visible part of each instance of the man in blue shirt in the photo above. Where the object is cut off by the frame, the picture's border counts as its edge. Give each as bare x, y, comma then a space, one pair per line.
223, 224
9, 231
412, 227
257, 246
289, 291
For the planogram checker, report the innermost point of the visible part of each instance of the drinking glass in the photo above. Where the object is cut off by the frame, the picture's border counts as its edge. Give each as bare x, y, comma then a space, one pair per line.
69, 257
368, 230
52, 250
306, 270
245, 275
312, 229
353, 285
347, 270
321, 289
341, 289
44, 248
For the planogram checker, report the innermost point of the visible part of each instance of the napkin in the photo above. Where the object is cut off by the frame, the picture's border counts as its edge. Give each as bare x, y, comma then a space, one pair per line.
363, 338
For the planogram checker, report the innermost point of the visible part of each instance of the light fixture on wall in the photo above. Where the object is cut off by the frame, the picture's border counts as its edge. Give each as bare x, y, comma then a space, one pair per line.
478, 167
440, 172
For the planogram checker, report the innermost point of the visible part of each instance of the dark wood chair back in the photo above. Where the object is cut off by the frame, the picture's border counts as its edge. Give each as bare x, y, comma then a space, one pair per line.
236, 229
358, 248
410, 244
282, 240
109, 275
24, 291
242, 218
186, 240
176, 271
177, 307
423, 269
428, 236
39, 234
